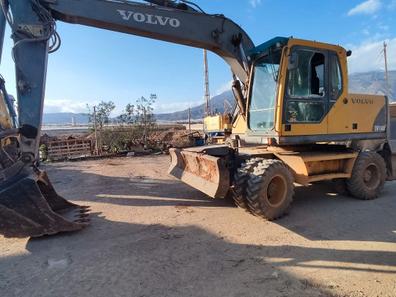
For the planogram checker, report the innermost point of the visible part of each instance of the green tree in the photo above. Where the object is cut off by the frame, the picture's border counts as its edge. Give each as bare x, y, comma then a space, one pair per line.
100, 114
128, 117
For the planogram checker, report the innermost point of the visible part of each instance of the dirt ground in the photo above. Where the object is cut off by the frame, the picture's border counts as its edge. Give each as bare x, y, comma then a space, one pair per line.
151, 235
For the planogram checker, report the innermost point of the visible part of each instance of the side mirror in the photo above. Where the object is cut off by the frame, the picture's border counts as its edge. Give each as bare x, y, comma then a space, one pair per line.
293, 61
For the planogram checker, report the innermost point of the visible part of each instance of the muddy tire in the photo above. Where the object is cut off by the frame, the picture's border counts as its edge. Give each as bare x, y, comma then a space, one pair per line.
238, 191
270, 189
368, 176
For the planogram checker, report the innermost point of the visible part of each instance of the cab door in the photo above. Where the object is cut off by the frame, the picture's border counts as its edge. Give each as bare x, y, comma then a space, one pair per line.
306, 95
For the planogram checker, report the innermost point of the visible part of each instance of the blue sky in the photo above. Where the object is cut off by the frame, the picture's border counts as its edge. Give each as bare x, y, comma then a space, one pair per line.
94, 65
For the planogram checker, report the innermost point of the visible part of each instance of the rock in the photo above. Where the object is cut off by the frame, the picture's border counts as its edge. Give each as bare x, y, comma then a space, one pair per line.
275, 274
57, 264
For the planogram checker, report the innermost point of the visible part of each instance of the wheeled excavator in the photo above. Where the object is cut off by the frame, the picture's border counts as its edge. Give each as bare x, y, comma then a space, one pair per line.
295, 121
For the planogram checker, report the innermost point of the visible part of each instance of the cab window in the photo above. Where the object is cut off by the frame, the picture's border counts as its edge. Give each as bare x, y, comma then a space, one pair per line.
306, 86
263, 92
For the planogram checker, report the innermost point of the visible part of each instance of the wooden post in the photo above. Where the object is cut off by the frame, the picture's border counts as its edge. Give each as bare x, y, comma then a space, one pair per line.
189, 119
96, 133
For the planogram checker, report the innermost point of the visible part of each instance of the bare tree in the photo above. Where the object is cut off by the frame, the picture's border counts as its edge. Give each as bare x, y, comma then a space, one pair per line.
144, 113
141, 114
99, 115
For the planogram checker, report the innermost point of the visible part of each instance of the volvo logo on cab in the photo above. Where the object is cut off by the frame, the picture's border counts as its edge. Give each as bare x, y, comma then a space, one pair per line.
362, 101
149, 18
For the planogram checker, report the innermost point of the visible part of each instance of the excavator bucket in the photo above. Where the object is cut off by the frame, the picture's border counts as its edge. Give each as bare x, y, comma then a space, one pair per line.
204, 168
31, 207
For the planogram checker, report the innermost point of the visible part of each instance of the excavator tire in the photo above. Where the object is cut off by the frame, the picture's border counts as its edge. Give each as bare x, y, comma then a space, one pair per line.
368, 176
270, 189
340, 186
240, 184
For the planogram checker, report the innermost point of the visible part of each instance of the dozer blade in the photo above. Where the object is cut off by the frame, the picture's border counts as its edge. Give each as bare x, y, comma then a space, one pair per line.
203, 168
31, 207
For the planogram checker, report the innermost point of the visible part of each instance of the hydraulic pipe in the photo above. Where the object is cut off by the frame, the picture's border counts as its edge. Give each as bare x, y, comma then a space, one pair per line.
2, 27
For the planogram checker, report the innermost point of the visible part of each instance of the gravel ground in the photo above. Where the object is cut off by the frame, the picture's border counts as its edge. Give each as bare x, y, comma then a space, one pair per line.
151, 235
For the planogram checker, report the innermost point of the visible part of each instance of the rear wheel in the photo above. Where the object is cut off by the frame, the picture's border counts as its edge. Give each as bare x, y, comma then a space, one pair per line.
240, 184
270, 189
368, 176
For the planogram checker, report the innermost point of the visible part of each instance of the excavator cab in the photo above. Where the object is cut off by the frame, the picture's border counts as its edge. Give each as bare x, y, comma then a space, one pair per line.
7, 113
9, 143
298, 94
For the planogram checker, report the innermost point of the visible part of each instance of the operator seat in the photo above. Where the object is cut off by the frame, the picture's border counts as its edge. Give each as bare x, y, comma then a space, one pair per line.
315, 82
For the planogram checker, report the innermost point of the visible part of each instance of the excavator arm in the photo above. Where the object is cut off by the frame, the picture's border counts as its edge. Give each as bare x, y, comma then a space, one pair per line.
29, 205
34, 28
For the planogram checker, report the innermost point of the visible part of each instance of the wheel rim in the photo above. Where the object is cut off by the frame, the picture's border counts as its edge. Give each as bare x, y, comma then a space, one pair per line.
371, 176
277, 190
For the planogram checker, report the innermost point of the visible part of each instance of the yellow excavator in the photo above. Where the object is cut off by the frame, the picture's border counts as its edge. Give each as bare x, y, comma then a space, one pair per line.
296, 122
217, 128
298, 125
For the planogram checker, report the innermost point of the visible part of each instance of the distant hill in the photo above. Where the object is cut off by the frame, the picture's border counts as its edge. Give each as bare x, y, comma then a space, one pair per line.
369, 82
373, 83
197, 112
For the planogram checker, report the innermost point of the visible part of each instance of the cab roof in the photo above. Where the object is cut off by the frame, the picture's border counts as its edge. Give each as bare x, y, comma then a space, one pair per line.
262, 48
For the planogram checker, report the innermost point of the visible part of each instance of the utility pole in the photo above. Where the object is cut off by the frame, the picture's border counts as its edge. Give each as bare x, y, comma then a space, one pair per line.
96, 133
386, 71
189, 119
207, 92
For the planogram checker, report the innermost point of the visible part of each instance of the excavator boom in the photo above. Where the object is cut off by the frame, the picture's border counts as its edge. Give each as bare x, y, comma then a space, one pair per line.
29, 205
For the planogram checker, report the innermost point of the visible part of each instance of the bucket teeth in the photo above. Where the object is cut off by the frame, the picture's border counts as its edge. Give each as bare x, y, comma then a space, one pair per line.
30, 207
82, 220
84, 209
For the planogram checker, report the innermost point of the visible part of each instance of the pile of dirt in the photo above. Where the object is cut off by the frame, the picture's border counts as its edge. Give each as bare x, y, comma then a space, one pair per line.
174, 138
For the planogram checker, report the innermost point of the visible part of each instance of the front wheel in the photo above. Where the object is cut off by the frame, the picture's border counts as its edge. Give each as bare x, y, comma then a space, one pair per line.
270, 189
368, 176
240, 184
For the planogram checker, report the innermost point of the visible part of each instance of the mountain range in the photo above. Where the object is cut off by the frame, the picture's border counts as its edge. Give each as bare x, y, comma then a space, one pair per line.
217, 104
369, 82
373, 83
